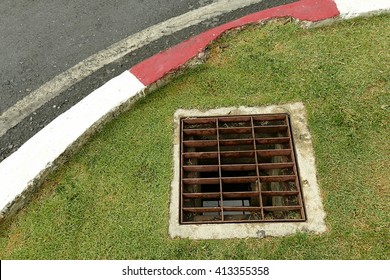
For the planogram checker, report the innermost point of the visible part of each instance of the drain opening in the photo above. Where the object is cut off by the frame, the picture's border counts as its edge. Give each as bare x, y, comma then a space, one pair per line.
239, 169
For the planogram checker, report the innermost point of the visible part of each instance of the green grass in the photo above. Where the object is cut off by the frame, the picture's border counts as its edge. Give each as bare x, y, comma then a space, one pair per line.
111, 200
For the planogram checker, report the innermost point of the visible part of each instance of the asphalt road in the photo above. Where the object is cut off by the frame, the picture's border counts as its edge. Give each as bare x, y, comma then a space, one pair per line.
40, 39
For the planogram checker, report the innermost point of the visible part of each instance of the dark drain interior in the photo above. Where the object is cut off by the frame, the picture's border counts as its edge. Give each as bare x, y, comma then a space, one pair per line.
239, 169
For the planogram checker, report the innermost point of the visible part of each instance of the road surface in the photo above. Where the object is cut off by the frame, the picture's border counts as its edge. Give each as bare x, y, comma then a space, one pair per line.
41, 40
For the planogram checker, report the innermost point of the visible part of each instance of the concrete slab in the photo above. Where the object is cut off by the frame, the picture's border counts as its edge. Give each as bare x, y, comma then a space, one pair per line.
306, 163
355, 8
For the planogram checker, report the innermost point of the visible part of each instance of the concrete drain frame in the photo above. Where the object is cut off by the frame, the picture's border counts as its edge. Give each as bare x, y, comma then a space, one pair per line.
304, 156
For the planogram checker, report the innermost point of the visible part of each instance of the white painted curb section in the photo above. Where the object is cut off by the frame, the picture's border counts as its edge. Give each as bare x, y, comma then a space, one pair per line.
355, 8
18, 171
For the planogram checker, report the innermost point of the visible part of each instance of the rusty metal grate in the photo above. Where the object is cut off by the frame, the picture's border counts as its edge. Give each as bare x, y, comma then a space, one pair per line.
239, 169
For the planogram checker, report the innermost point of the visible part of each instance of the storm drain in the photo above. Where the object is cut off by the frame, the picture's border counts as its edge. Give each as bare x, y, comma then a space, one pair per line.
239, 169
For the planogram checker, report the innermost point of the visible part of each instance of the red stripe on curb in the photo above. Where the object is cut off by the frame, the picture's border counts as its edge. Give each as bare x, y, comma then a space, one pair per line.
157, 66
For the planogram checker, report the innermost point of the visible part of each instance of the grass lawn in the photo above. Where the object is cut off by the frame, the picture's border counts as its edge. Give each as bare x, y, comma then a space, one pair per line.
111, 200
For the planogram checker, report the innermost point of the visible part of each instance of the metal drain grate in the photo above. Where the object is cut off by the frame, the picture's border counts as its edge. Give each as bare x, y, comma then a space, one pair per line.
239, 169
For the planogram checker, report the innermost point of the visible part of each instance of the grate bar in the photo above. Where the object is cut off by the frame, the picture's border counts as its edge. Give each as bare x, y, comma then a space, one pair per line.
204, 131
280, 178
271, 128
242, 209
272, 153
201, 155
234, 119
198, 121
202, 195
238, 130
282, 208
257, 186
266, 166
220, 173
200, 143
240, 194
279, 193
239, 169
234, 154
237, 154
200, 168
235, 180
276, 140
235, 142
269, 117
201, 209
201, 181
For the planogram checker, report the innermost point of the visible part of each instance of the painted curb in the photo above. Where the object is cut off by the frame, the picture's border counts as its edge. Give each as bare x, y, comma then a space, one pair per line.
354, 8
156, 67
23, 171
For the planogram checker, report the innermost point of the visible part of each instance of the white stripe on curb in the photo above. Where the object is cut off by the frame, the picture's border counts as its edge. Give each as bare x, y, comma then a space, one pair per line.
26, 106
18, 171
355, 8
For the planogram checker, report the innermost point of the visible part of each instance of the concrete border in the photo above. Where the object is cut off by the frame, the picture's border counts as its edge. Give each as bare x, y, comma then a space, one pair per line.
354, 8
306, 164
22, 172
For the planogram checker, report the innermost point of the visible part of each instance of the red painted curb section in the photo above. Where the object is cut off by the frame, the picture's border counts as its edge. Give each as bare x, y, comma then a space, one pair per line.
157, 66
